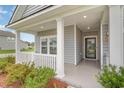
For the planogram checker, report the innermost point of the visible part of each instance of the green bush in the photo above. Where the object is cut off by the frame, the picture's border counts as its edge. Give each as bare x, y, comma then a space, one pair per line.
6, 61
39, 77
17, 72
23, 49
9, 59
111, 77
2, 66
27, 74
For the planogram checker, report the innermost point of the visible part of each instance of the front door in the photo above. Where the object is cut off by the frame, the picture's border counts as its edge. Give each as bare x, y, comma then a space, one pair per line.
90, 47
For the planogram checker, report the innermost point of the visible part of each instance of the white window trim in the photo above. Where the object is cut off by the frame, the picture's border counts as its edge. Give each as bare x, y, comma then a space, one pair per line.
122, 16
10, 39
101, 46
48, 43
75, 44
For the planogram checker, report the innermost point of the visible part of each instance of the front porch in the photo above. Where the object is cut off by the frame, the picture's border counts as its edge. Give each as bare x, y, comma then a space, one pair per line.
60, 45
82, 75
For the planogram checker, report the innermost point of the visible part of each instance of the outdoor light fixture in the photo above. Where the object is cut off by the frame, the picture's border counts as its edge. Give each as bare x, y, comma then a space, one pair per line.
41, 27
85, 17
88, 27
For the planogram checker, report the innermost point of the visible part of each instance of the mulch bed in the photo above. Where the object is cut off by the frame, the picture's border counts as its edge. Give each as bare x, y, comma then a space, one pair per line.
2, 80
16, 84
53, 83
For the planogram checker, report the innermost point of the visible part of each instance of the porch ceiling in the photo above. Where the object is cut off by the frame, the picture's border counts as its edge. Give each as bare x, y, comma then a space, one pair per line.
93, 19
86, 21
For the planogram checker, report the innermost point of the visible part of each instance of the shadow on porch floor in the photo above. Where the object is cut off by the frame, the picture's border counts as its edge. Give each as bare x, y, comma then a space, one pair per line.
82, 75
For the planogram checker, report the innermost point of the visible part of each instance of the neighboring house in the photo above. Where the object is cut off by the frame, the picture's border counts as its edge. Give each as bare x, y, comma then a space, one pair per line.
71, 34
7, 40
23, 44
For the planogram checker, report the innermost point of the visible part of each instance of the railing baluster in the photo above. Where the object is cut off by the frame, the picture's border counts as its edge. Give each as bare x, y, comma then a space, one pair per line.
50, 60
39, 59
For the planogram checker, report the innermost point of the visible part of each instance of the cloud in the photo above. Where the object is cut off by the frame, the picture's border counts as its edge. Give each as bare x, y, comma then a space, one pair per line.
3, 28
2, 11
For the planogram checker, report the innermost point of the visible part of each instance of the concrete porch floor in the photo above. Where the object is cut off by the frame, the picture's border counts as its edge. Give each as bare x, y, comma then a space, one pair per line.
83, 75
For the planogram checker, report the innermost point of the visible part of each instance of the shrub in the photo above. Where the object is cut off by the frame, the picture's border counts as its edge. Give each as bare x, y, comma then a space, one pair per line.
111, 77
39, 77
2, 66
17, 72
9, 59
6, 61
27, 74
23, 49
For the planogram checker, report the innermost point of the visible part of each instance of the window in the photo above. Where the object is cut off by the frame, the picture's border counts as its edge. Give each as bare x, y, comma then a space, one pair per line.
52, 46
13, 38
44, 46
48, 45
10, 38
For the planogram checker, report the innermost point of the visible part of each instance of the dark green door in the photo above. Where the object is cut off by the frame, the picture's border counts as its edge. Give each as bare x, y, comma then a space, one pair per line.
90, 48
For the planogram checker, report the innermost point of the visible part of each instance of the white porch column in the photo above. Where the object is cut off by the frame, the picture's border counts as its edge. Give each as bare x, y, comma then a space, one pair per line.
116, 35
37, 43
101, 40
60, 48
17, 45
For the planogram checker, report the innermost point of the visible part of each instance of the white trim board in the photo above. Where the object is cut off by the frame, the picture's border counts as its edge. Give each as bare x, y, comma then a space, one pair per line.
101, 46
96, 47
75, 45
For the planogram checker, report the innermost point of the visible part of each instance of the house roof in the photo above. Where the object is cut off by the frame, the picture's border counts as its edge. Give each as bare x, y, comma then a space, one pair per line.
6, 34
22, 12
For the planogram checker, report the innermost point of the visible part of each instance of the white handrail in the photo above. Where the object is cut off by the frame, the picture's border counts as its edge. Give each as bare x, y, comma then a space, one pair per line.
42, 60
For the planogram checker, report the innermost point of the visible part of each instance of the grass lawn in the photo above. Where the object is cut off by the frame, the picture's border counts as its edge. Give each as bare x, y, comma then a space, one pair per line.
6, 51
27, 50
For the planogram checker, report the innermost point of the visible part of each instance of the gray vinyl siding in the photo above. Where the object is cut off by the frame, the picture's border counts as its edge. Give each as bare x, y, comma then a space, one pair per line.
69, 56
18, 14
78, 45
37, 44
47, 33
105, 44
6, 44
30, 9
105, 38
27, 10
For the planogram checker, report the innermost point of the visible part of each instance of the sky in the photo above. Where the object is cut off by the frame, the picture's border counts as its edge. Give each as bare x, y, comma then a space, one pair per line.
6, 12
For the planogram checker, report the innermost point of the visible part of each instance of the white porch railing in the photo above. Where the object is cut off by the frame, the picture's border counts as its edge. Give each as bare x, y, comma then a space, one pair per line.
42, 60
24, 57
45, 60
